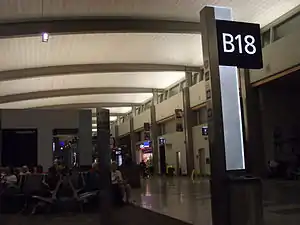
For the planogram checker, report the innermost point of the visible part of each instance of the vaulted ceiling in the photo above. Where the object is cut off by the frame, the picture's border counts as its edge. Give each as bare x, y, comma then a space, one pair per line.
108, 53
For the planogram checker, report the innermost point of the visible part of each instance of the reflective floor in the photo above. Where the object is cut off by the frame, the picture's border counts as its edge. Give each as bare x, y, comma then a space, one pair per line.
190, 201
176, 197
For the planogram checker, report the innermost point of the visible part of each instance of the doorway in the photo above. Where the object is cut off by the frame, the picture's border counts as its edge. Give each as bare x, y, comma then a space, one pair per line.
202, 161
178, 163
65, 146
162, 159
19, 147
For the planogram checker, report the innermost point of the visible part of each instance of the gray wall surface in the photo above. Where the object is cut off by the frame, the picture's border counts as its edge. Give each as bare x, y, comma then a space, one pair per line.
45, 121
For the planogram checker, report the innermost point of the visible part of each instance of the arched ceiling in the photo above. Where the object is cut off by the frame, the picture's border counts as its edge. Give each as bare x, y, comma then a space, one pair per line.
260, 11
108, 53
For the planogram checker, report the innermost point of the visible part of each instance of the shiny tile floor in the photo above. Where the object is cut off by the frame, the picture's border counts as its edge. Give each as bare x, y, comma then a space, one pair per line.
190, 201
176, 197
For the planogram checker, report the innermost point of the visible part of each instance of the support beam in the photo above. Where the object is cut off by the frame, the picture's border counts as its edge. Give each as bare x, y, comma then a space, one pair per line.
190, 120
90, 68
72, 92
96, 25
154, 134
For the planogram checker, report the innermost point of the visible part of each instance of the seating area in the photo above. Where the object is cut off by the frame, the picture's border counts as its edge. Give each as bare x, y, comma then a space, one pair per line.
40, 193
67, 198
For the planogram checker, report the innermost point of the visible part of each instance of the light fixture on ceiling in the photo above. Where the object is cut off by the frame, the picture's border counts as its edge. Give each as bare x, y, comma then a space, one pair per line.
45, 37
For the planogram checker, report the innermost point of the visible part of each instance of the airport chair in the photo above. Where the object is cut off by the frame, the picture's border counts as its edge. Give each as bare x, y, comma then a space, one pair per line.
35, 191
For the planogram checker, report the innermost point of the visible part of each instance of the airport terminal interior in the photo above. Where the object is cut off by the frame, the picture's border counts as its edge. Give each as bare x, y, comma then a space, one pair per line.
123, 112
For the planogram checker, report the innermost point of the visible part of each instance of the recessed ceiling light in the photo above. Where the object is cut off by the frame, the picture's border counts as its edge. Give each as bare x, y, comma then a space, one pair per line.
45, 37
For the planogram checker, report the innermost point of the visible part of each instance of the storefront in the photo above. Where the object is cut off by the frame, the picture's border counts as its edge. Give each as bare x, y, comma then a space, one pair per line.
144, 152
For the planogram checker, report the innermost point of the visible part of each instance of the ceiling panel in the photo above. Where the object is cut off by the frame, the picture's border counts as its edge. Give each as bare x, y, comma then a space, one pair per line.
29, 52
158, 80
262, 11
103, 98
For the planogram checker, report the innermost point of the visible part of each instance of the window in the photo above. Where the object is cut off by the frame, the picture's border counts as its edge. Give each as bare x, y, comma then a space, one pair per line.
201, 115
161, 98
174, 90
147, 105
182, 85
266, 38
201, 75
166, 95
137, 111
287, 27
162, 129
194, 78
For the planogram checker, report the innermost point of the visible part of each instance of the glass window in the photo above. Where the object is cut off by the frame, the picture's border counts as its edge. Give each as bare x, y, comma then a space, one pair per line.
201, 75
148, 105
201, 116
174, 90
181, 86
287, 27
195, 78
162, 129
166, 95
161, 98
266, 38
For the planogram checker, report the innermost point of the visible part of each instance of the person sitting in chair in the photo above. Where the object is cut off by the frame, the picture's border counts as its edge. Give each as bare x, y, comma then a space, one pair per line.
120, 186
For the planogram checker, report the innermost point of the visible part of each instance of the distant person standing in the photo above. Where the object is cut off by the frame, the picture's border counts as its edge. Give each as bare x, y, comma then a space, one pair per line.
143, 168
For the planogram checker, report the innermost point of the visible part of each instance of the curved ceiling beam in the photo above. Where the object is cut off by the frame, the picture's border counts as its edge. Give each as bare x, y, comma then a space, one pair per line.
73, 92
91, 68
90, 105
96, 25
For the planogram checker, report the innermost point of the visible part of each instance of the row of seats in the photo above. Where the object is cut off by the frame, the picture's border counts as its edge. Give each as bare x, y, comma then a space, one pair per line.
34, 191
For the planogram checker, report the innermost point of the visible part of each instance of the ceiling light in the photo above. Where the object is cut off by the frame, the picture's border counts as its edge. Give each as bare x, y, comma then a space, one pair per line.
45, 37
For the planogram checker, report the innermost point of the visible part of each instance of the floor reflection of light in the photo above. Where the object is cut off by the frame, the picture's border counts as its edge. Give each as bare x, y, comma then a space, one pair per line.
147, 190
181, 198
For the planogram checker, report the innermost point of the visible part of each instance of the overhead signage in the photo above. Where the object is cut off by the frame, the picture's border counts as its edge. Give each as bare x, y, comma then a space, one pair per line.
239, 44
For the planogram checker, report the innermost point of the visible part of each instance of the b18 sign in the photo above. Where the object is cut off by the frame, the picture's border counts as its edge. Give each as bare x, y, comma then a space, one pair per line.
239, 44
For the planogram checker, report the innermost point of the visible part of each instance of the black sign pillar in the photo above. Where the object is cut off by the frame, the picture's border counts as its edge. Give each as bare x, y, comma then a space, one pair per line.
104, 152
226, 46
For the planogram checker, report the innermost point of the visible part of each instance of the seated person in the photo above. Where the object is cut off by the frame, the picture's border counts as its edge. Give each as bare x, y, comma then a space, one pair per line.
93, 178
9, 177
119, 183
24, 171
10, 180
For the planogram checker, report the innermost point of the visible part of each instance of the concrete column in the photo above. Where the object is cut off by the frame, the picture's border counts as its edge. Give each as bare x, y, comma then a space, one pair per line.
155, 97
103, 143
254, 149
189, 122
0, 137
85, 146
223, 114
189, 78
133, 140
133, 111
154, 131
